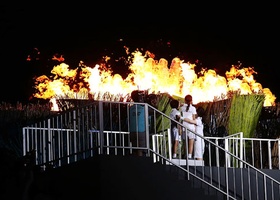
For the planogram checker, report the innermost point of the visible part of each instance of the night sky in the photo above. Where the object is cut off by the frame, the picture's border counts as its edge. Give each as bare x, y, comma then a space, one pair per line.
216, 39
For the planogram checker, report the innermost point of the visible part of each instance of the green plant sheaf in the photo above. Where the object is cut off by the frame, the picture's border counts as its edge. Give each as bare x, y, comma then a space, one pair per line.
162, 122
244, 113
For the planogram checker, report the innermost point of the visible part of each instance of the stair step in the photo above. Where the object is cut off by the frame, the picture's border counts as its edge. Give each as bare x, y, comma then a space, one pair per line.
191, 162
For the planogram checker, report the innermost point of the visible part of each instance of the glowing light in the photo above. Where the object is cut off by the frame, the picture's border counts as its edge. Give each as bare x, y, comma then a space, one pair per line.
146, 73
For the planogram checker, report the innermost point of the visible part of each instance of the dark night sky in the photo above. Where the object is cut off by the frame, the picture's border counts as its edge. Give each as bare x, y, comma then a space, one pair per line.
217, 38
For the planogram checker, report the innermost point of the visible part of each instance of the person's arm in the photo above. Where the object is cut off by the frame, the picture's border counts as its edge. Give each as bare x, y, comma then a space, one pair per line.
177, 118
194, 116
188, 120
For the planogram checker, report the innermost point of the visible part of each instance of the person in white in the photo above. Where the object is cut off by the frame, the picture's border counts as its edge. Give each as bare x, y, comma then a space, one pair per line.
188, 111
175, 132
199, 142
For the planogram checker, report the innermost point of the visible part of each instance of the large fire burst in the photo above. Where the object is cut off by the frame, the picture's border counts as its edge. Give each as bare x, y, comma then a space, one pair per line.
155, 76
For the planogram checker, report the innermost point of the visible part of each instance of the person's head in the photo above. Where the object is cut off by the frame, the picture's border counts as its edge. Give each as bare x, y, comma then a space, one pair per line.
200, 111
188, 99
174, 103
137, 95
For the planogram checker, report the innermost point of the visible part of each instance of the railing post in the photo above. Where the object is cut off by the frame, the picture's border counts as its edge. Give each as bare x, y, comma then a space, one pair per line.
170, 144
217, 153
154, 148
147, 129
24, 141
278, 153
269, 154
49, 142
75, 134
68, 146
241, 149
101, 127
227, 158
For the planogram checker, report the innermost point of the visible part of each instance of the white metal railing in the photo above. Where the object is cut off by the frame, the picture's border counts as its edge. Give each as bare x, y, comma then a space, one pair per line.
102, 128
261, 153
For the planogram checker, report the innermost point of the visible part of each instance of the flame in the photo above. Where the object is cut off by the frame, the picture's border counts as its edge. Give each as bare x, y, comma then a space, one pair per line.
60, 58
149, 74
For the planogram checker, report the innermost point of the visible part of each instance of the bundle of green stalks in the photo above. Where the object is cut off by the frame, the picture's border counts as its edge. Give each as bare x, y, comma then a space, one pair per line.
162, 122
20, 113
244, 113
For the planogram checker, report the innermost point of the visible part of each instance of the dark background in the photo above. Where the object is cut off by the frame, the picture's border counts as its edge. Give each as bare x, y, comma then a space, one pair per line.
217, 37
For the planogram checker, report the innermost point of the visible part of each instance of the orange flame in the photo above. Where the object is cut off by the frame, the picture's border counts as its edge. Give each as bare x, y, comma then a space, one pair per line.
149, 74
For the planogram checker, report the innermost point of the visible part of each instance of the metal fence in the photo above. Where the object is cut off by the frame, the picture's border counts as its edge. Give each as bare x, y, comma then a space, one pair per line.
229, 167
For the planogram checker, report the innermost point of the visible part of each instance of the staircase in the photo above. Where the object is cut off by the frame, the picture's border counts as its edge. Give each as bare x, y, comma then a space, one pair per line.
116, 177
